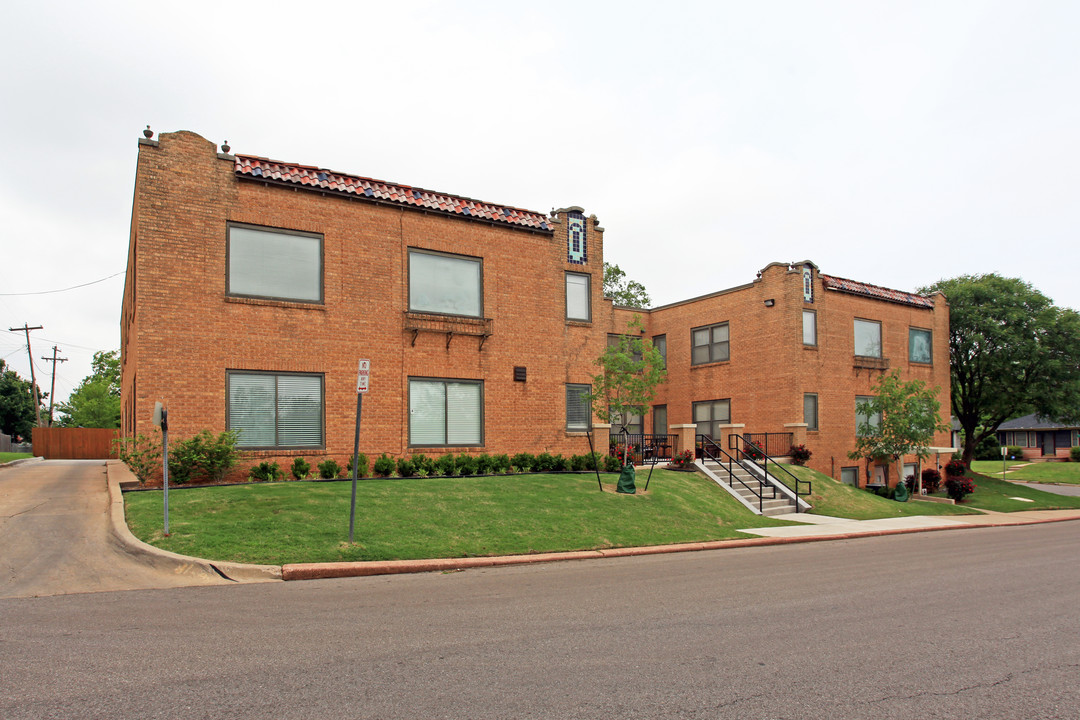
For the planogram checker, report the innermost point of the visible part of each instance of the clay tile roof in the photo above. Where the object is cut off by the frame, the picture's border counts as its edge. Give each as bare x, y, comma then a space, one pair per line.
873, 291
352, 185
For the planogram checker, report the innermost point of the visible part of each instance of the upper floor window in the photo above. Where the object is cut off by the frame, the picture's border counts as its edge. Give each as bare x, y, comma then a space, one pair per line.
867, 338
810, 410
809, 327
445, 284
920, 346
636, 349
578, 292
278, 264
275, 410
660, 343
709, 344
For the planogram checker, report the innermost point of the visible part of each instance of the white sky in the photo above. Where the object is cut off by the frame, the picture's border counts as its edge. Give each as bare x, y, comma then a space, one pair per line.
896, 144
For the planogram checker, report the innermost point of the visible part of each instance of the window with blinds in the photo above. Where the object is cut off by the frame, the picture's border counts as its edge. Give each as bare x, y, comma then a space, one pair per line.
446, 412
578, 410
276, 410
274, 264
446, 284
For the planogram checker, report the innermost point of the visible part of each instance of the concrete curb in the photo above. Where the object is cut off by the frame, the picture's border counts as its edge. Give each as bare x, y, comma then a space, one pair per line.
163, 559
20, 461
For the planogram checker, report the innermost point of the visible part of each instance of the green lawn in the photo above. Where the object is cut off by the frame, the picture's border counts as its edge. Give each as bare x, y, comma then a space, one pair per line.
9, 456
1000, 496
416, 518
1049, 472
992, 468
834, 498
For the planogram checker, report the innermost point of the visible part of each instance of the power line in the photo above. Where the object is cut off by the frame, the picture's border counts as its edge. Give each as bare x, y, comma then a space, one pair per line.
73, 287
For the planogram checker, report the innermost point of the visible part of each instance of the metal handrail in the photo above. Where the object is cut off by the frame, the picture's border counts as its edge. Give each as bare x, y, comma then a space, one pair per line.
708, 448
740, 443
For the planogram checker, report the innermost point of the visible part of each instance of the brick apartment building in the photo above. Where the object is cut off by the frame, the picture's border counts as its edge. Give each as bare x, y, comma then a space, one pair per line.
255, 286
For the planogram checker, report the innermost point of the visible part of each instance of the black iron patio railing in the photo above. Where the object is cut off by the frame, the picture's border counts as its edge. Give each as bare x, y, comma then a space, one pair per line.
647, 447
772, 444
708, 450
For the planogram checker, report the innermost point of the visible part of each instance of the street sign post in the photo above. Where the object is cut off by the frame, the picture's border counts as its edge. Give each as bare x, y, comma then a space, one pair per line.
161, 419
363, 374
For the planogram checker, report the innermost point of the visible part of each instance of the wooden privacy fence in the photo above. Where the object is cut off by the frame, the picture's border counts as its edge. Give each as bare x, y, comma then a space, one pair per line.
74, 443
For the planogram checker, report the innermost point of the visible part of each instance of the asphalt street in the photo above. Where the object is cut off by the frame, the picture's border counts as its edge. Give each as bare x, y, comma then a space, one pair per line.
960, 624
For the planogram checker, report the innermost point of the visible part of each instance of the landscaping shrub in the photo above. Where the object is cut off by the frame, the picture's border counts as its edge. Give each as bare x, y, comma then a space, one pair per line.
424, 465
545, 462
466, 464
958, 487
955, 468
203, 456
800, 454
300, 468
384, 466
329, 469
586, 462
447, 464
1074, 453
682, 460
612, 464
931, 480
988, 448
361, 465
523, 462
141, 454
405, 467
1015, 452
266, 471
500, 463
483, 464
183, 460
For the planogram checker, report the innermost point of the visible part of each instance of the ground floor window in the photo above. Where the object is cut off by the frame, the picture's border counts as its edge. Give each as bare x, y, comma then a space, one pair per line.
849, 476
710, 415
578, 410
446, 412
629, 422
275, 410
659, 420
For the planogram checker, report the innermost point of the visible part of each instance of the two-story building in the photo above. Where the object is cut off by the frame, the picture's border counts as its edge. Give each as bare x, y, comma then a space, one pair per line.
255, 286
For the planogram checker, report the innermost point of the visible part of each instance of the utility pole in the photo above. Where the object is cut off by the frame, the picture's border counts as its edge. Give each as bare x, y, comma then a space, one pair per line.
33, 382
52, 385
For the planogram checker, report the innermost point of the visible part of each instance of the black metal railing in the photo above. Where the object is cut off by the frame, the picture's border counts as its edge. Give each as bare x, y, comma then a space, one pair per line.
749, 451
707, 449
647, 447
772, 444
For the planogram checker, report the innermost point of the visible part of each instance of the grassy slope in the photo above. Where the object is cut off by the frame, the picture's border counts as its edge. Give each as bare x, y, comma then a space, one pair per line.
9, 456
435, 517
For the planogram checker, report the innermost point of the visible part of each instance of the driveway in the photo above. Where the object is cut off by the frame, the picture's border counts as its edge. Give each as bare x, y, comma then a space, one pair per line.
56, 537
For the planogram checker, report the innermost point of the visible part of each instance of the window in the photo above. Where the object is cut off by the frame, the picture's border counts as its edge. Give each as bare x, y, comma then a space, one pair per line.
710, 415
867, 338
849, 476
920, 346
446, 412
809, 410
709, 344
659, 420
274, 264
861, 418
445, 284
275, 410
660, 343
578, 411
632, 424
578, 293
1018, 439
809, 327
637, 349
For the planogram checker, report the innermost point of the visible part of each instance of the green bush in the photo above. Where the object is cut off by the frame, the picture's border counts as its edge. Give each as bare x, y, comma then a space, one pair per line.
300, 468
612, 464
384, 466
466, 464
955, 468
545, 462
405, 467
523, 462
266, 471
1074, 453
446, 465
957, 487
141, 454
1015, 452
423, 465
988, 448
483, 464
329, 468
183, 460
361, 466
203, 456
500, 463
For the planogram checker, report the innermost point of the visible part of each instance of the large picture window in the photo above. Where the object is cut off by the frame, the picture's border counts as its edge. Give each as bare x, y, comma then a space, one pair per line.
867, 338
276, 410
920, 346
446, 412
709, 344
710, 415
578, 410
274, 264
445, 284
578, 306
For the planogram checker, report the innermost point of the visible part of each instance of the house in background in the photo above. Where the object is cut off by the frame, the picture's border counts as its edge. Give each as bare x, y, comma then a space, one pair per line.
1040, 439
254, 287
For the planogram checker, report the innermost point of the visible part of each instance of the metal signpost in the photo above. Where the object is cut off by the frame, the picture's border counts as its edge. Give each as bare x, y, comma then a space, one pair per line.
161, 418
362, 375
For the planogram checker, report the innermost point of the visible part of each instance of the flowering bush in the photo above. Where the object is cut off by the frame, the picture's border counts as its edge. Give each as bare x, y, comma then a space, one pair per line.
800, 454
682, 460
931, 480
955, 468
958, 487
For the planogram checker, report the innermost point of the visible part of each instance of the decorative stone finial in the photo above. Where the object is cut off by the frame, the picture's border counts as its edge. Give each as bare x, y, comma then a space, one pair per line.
225, 147
148, 133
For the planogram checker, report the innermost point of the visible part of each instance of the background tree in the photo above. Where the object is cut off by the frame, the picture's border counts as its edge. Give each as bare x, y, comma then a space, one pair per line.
96, 401
625, 292
900, 420
1011, 352
17, 416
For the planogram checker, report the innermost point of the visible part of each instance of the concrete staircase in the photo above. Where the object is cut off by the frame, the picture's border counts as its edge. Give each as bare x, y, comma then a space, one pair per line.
744, 491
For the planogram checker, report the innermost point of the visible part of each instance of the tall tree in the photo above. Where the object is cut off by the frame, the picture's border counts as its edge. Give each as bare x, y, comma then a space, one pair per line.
17, 416
1011, 352
96, 401
621, 289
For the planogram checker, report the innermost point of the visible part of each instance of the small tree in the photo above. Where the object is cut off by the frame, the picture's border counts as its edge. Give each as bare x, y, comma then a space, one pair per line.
900, 419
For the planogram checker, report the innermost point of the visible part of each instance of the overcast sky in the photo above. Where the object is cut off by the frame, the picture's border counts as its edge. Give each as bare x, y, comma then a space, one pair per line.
896, 144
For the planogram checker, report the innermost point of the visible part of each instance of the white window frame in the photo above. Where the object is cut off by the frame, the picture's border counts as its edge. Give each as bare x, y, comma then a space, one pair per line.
575, 299
421, 288
458, 428
286, 262
275, 413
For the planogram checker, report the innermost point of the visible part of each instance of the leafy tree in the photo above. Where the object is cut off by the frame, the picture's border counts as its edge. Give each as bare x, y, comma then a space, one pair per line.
17, 416
625, 292
96, 401
900, 419
1011, 352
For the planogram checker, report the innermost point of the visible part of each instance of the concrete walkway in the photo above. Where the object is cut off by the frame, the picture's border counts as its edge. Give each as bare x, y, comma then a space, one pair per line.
824, 526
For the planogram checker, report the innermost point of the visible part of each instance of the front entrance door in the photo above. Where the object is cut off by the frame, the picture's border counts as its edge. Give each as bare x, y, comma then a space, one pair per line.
1048, 443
